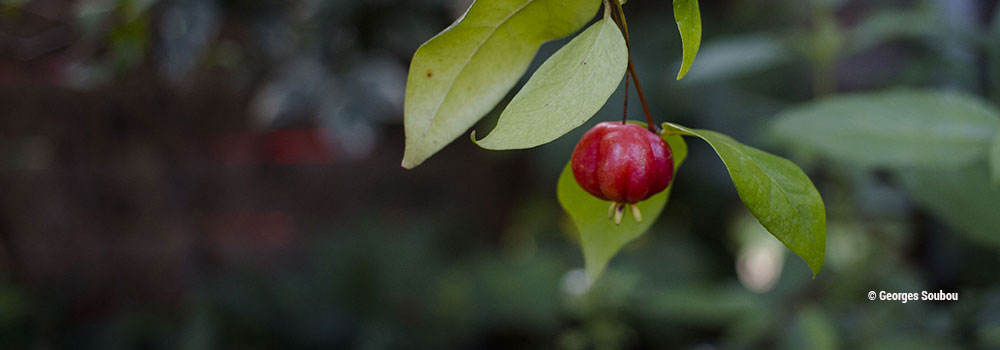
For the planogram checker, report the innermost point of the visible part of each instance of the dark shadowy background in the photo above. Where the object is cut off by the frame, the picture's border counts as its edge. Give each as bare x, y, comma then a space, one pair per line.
191, 174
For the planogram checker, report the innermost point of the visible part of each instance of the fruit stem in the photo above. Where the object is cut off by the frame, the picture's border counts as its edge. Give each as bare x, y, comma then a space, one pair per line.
625, 104
623, 26
642, 98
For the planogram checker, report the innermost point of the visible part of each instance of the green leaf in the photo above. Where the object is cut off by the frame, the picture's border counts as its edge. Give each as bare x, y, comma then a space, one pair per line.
600, 238
894, 129
688, 19
463, 72
995, 158
962, 198
777, 193
568, 89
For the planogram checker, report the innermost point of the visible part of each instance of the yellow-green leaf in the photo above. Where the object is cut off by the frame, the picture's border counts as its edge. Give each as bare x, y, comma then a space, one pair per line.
600, 238
566, 91
463, 72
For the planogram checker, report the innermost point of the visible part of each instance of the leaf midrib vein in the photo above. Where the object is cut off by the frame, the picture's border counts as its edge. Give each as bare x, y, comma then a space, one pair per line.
465, 65
578, 70
770, 178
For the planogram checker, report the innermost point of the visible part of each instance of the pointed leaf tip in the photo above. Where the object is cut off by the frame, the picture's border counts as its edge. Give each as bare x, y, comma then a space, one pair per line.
776, 191
688, 18
600, 238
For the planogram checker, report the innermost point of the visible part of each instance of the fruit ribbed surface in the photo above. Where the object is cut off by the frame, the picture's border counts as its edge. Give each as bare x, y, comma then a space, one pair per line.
624, 163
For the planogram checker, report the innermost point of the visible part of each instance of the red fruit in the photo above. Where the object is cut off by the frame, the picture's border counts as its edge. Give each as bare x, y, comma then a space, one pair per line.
622, 163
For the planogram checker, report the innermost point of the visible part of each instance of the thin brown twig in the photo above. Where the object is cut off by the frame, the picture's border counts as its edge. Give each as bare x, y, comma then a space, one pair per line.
623, 27
642, 97
625, 104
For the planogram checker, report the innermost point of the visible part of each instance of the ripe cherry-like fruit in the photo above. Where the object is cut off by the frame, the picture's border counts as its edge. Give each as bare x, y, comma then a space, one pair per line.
622, 163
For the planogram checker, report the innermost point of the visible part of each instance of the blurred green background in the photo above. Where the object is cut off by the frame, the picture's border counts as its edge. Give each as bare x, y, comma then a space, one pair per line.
194, 174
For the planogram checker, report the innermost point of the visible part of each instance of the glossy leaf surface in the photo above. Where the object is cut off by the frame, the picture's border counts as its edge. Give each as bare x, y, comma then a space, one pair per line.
776, 191
688, 18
